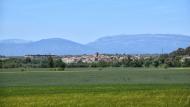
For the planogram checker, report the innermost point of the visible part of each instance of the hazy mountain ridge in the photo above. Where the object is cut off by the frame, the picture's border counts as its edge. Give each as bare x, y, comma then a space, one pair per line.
45, 46
130, 44
140, 43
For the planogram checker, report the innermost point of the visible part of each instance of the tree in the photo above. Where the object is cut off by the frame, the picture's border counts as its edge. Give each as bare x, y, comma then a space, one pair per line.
1, 64
156, 63
176, 63
136, 63
60, 64
169, 62
50, 62
147, 63
162, 59
28, 60
94, 64
186, 63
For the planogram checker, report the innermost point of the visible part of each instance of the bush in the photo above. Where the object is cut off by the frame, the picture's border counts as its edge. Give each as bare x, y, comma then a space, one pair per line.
156, 63
147, 64
186, 63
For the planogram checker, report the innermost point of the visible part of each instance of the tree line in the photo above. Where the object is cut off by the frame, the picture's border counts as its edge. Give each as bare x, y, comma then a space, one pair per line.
28, 62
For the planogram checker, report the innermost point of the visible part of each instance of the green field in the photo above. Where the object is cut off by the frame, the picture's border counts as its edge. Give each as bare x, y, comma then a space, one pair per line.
95, 87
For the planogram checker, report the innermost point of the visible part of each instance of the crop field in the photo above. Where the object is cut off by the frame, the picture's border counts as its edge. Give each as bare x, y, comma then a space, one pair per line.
95, 87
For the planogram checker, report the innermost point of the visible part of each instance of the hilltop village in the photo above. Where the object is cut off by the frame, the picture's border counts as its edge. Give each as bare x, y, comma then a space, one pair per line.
99, 58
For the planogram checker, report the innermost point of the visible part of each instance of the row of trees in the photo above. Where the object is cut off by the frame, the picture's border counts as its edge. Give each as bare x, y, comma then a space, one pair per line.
48, 62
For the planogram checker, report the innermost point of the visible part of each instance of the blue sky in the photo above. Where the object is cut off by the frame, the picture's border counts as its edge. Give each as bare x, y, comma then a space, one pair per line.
86, 20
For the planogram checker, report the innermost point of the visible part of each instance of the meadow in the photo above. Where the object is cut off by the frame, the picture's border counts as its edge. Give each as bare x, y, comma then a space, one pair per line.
95, 87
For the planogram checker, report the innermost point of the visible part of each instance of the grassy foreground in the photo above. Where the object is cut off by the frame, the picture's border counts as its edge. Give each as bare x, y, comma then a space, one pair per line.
97, 96
105, 87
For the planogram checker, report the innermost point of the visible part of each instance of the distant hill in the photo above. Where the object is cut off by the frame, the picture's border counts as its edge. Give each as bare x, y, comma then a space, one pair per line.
130, 44
46, 46
140, 43
181, 52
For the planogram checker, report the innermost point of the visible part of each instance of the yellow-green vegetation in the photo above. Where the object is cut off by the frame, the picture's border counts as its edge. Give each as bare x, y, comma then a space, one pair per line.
95, 87
97, 96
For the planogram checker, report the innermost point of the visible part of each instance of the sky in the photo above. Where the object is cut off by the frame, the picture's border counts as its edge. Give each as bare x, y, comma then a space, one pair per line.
84, 21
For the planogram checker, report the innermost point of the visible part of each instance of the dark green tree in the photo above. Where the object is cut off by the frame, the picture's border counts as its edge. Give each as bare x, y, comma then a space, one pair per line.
50, 62
28, 60
1, 64
60, 64
186, 63
156, 63
147, 63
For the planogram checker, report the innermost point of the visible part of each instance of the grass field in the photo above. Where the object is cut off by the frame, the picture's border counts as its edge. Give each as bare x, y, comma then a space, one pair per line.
95, 87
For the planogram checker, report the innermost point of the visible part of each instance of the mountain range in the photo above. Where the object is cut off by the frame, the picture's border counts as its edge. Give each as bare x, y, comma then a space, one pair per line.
129, 44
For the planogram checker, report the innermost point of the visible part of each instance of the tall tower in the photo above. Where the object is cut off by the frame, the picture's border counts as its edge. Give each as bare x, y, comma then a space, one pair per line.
97, 54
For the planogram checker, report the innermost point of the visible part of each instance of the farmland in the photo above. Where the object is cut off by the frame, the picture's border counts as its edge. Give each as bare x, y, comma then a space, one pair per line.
95, 87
